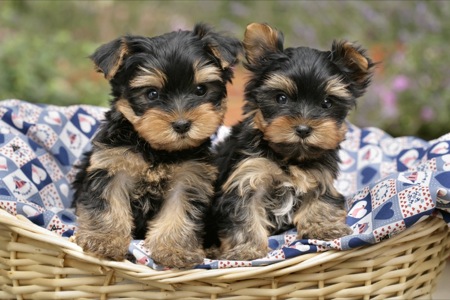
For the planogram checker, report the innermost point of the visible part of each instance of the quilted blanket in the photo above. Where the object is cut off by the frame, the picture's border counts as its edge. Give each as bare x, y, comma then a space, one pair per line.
390, 183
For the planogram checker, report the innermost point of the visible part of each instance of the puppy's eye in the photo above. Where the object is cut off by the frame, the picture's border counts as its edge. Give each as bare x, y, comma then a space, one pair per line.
326, 103
153, 94
200, 90
281, 99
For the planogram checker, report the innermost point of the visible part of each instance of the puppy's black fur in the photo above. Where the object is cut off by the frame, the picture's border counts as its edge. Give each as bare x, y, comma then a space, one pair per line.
150, 173
278, 165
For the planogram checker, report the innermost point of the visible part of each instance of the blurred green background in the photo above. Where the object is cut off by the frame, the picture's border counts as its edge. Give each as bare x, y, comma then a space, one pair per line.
44, 47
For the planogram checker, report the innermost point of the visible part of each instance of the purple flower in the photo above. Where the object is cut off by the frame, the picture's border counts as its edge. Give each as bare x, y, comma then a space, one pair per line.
389, 100
400, 83
427, 113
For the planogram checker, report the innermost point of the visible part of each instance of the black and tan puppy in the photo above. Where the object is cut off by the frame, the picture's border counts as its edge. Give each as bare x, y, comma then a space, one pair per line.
278, 165
150, 173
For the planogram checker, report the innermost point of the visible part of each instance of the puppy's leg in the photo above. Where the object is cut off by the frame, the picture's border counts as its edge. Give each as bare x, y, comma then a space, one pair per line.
104, 215
175, 236
241, 212
321, 219
321, 214
103, 201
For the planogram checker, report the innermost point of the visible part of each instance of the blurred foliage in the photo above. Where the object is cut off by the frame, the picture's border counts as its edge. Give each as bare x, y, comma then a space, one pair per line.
44, 48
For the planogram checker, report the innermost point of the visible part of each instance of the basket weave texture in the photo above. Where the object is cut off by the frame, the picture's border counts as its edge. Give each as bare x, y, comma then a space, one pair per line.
38, 264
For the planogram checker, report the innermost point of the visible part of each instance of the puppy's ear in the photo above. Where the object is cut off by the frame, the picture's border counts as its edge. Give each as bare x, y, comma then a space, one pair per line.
261, 40
226, 49
354, 63
109, 57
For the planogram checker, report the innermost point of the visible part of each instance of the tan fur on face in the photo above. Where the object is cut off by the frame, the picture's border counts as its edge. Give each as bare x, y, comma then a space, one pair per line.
210, 73
206, 73
124, 107
258, 120
149, 78
326, 133
336, 87
155, 125
280, 82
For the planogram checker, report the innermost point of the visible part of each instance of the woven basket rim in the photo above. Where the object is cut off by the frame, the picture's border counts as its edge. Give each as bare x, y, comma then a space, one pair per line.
25, 227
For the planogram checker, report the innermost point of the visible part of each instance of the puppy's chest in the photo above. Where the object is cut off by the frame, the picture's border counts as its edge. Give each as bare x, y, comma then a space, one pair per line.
294, 185
302, 180
154, 182
147, 178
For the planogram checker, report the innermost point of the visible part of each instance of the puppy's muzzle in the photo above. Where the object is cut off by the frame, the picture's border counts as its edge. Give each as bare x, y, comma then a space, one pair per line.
303, 131
181, 126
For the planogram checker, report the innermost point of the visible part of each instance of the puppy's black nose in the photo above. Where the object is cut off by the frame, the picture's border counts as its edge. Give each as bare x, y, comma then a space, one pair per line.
303, 131
181, 126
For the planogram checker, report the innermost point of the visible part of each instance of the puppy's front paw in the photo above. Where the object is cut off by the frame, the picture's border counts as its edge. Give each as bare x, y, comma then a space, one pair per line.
325, 232
244, 252
174, 256
103, 245
330, 232
339, 230
322, 221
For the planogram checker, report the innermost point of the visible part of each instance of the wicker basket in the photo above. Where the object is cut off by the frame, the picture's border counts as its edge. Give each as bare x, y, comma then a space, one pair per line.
38, 264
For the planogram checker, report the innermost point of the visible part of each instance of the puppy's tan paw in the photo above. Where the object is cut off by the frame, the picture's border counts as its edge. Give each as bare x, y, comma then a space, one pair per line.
244, 252
174, 256
103, 245
325, 232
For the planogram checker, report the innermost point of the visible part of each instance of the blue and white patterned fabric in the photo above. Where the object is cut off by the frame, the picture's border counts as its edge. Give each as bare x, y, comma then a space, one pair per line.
390, 183
39, 145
